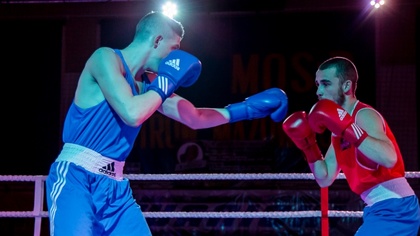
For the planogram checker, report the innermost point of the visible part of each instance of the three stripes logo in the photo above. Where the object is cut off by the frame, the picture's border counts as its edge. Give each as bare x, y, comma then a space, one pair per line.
358, 132
174, 63
163, 84
108, 169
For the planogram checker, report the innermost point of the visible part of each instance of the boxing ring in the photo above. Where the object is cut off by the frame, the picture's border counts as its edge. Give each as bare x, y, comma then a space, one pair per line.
323, 213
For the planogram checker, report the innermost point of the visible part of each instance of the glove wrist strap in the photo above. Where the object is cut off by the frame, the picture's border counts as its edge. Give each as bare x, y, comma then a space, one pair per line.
355, 135
237, 112
163, 86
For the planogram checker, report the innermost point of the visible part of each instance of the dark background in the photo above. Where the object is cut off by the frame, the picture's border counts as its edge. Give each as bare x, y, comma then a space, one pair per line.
281, 49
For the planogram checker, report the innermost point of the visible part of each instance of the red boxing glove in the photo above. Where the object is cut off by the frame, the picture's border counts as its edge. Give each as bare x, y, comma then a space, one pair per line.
296, 126
326, 114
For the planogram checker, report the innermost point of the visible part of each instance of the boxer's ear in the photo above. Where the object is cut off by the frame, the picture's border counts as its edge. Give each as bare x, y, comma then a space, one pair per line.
157, 40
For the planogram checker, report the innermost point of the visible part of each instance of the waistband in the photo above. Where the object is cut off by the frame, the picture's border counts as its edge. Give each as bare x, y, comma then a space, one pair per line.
394, 188
91, 161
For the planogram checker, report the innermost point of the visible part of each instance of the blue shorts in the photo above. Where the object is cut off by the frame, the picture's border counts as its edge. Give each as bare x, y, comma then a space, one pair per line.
396, 216
83, 203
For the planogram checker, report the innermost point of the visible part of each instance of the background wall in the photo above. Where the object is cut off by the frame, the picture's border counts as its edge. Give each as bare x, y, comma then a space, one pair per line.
244, 50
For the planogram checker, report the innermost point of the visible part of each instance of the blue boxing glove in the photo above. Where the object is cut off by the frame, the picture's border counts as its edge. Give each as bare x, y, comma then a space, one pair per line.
179, 68
271, 102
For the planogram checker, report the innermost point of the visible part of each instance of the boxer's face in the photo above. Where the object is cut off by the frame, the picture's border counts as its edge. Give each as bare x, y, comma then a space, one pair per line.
169, 44
329, 86
163, 45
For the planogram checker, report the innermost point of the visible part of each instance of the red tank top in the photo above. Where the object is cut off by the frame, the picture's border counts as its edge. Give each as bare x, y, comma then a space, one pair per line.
360, 177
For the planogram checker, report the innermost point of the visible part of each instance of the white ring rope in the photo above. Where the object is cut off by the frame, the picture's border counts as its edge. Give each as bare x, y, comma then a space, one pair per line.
182, 214
250, 176
272, 214
247, 176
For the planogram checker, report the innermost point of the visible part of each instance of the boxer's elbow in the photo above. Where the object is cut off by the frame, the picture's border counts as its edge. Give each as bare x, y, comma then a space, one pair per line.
132, 121
390, 161
391, 156
323, 179
323, 183
134, 118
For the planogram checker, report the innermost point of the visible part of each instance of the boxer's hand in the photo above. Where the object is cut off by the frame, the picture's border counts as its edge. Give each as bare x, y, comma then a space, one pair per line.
326, 114
179, 68
296, 126
272, 102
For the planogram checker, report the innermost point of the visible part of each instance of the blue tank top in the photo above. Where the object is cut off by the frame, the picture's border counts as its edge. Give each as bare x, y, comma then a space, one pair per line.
100, 128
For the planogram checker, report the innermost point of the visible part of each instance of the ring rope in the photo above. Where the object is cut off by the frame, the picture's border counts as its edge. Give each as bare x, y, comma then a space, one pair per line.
246, 176
240, 176
182, 214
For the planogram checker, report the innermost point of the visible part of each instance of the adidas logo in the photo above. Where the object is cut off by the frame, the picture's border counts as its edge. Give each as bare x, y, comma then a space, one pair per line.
108, 169
174, 63
341, 113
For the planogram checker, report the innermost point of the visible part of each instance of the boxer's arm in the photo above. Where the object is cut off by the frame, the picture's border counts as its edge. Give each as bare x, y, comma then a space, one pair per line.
271, 102
182, 110
377, 146
102, 78
326, 171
